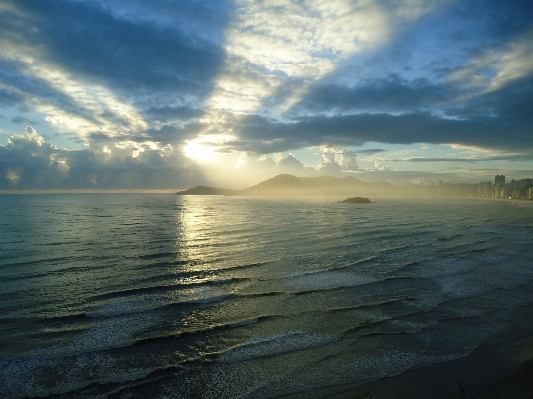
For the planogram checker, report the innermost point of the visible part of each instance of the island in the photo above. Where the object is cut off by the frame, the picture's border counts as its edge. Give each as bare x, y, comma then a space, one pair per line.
355, 200
288, 185
203, 190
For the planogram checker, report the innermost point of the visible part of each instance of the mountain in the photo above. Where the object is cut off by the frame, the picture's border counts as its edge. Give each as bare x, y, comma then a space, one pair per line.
203, 190
278, 185
289, 185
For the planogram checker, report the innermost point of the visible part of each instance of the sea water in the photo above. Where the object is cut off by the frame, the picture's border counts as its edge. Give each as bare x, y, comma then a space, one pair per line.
163, 296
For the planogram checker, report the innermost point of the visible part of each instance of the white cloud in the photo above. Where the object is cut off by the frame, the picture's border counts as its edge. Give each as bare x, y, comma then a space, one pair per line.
94, 106
273, 43
496, 68
30, 162
348, 160
336, 162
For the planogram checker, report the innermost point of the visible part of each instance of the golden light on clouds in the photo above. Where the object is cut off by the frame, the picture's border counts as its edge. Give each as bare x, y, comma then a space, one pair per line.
270, 43
205, 147
99, 105
13, 176
198, 151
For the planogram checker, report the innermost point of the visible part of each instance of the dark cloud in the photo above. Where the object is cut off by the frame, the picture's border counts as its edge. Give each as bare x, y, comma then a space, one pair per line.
167, 113
494, 21
87, 40
26, 89
371, 151
9, 98
266, 136
498, 120
29, 162
390, 94
511, 104
21, 119
163, 68
510, 157
422, 159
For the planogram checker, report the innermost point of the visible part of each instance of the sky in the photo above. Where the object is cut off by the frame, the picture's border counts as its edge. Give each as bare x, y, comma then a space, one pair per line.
161, 94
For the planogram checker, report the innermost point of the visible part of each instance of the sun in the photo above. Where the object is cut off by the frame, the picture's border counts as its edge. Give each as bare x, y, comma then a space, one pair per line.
206, 147
199, 151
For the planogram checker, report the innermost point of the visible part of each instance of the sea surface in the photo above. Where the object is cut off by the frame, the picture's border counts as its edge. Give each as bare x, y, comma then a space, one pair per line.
163, 296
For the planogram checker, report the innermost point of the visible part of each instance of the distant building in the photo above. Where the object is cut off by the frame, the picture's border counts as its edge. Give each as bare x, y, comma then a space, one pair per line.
487, 189
499, 186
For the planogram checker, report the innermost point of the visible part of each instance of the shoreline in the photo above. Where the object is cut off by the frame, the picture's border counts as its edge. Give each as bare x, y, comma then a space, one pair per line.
501, 369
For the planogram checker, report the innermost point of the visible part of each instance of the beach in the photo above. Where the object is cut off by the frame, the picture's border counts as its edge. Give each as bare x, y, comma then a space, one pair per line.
501, 370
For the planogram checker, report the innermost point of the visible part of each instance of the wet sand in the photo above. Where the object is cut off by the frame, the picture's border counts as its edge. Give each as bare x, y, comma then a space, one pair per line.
503, 368
517, 385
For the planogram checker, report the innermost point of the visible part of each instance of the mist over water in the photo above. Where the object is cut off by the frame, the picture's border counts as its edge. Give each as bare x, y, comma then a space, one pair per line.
163, 296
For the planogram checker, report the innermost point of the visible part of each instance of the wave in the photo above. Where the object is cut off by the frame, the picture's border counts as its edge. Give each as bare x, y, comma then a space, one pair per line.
436, 267
451, 237
176, 296
275, 345
324, 280
185, 283
40, 377
157, 255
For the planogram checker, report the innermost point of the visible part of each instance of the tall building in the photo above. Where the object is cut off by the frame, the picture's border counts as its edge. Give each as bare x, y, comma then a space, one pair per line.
499, 186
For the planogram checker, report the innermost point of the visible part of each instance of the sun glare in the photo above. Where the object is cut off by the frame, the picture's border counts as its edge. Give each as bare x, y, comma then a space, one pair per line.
199, 151
205, 147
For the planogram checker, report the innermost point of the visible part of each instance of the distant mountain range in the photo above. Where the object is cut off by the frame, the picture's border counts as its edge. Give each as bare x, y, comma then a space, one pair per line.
289, 185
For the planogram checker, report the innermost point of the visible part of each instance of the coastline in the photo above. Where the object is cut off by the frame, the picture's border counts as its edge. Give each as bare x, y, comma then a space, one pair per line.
503, 369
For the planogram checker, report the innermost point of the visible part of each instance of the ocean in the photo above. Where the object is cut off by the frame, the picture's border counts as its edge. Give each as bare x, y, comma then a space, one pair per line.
165, 296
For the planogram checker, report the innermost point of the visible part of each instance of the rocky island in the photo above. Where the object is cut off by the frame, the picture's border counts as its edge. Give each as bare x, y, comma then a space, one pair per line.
355, 200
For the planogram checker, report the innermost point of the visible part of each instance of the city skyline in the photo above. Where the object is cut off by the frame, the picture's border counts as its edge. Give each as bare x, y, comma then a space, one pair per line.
163, 95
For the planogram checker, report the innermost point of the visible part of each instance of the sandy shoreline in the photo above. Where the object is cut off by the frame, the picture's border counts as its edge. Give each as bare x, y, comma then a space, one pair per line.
503, 368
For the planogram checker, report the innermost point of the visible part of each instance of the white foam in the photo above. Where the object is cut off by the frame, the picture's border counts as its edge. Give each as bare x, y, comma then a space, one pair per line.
518, 236
430, 268
244, 322
327, 280
464, 312
424, 302
29, 377
412, 325
121, 306
276, 345
458, 287
385, 363
200, 294
112, 325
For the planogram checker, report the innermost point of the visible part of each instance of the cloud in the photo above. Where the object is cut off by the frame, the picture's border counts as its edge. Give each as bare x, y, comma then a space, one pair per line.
335, 162
371, 151
496, 68
21, 119
277, 51
145, 84
290, 162
483, 131
348, 160
330, 166
29, 162
86, 68
390, 94
503, 157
